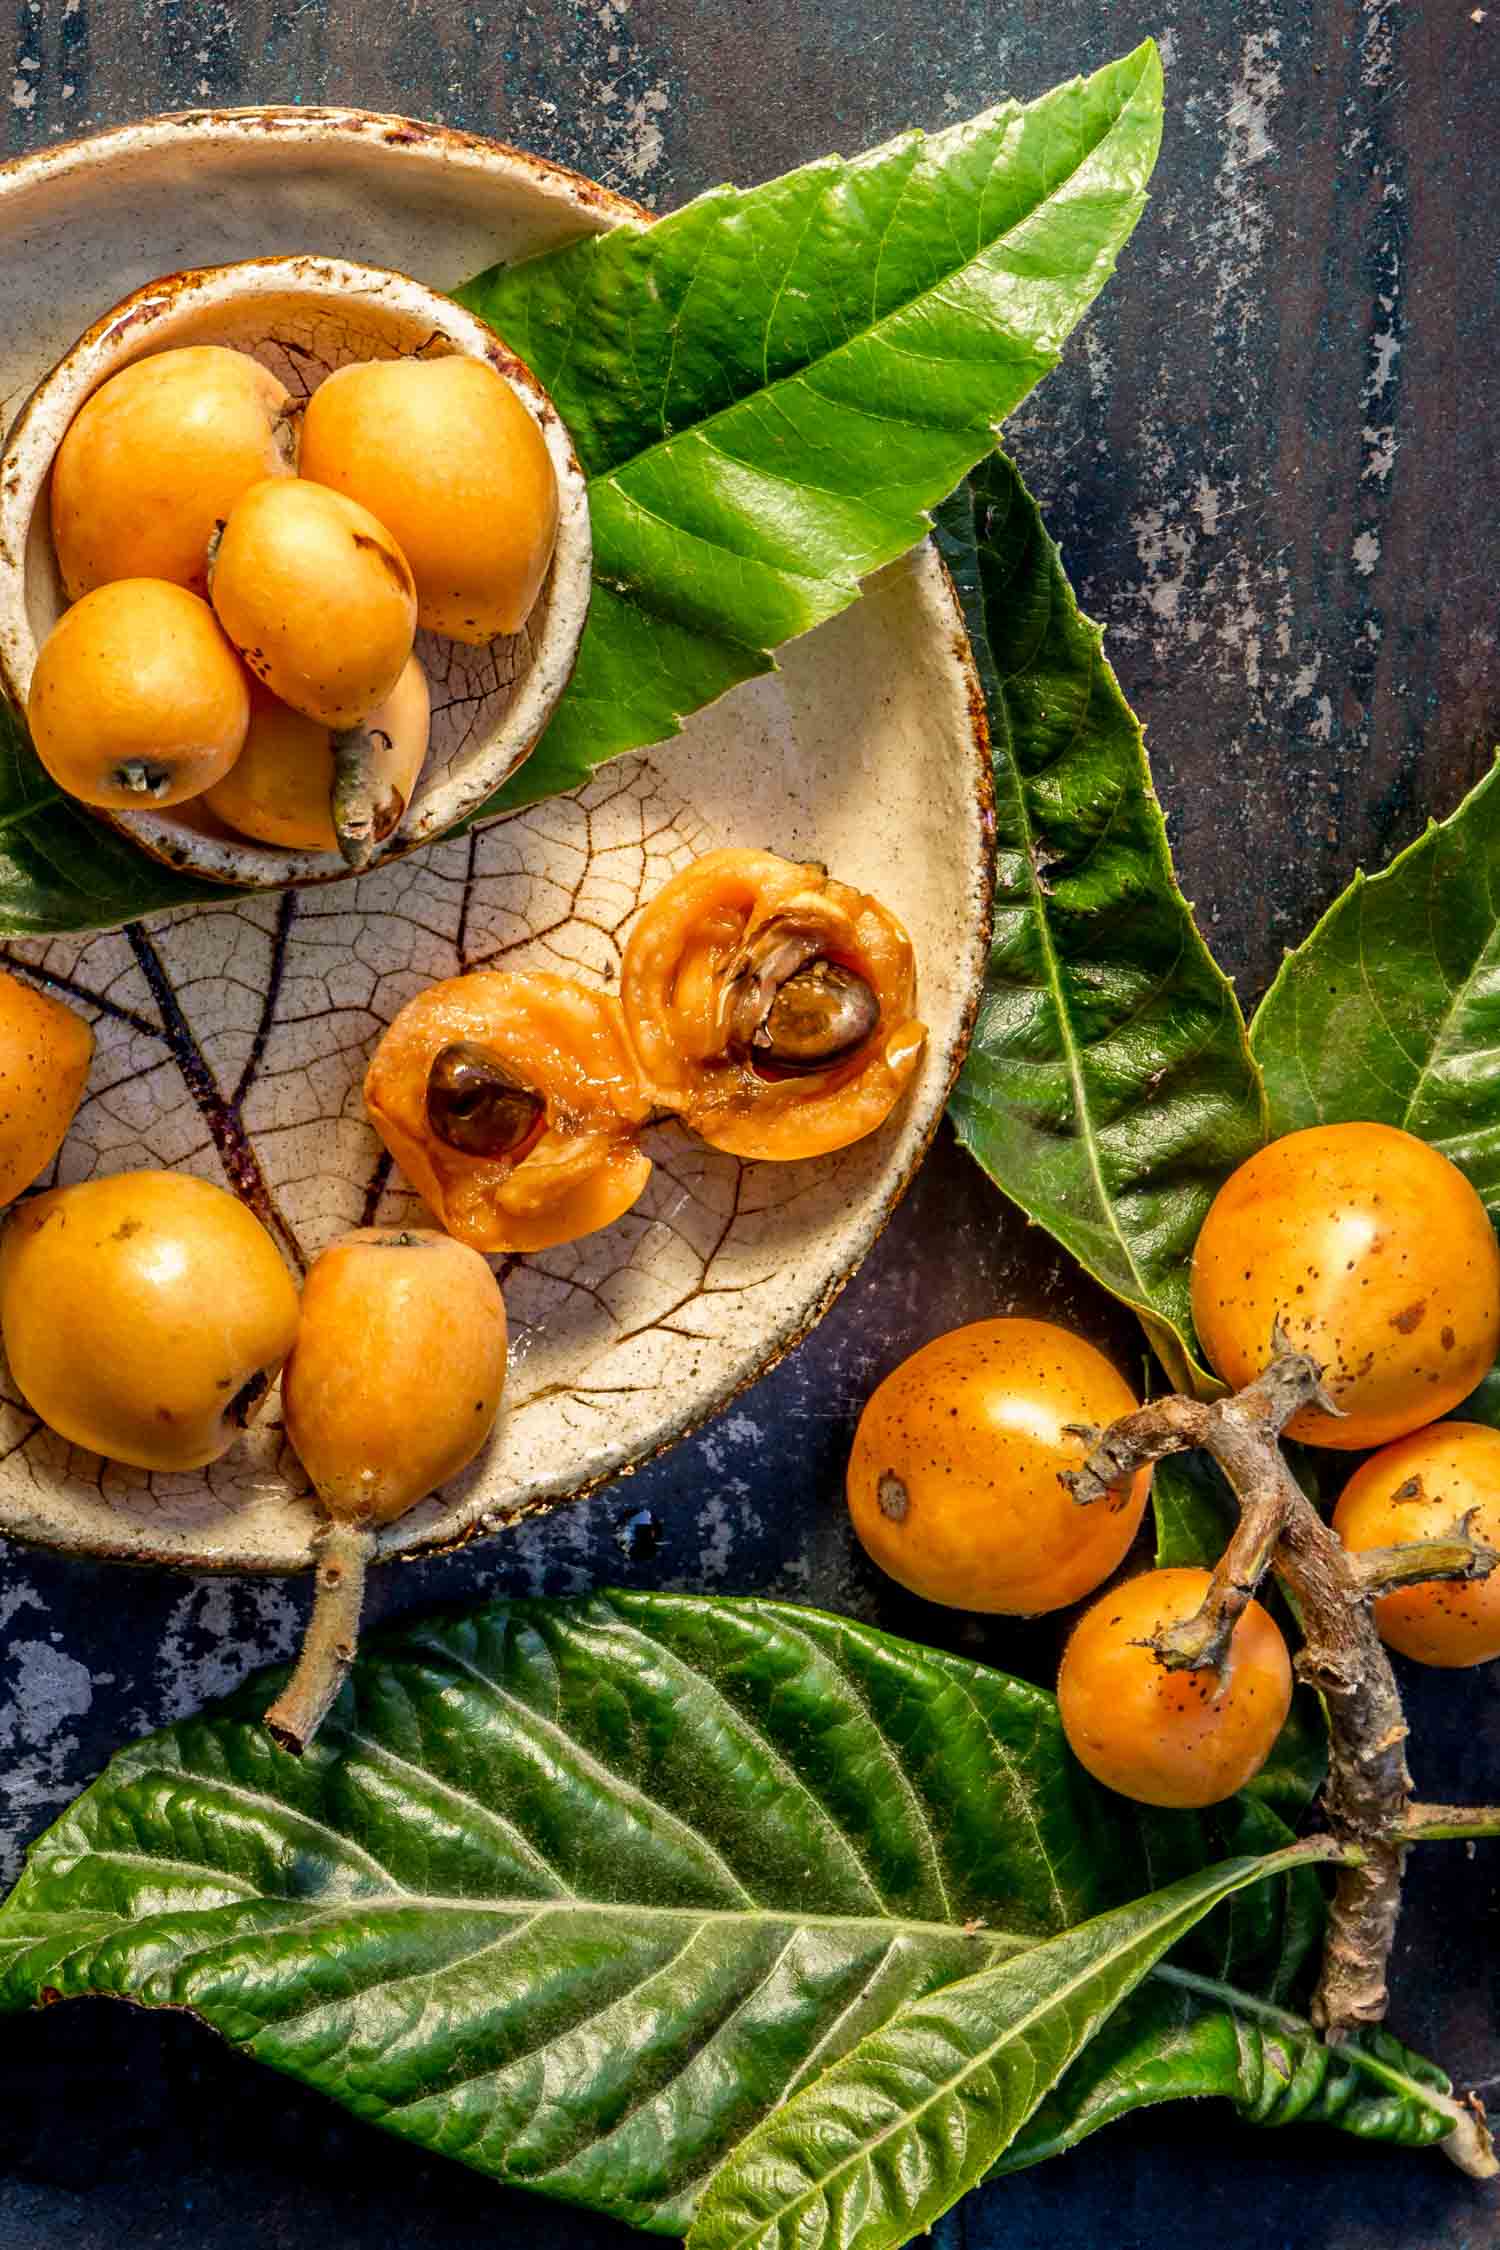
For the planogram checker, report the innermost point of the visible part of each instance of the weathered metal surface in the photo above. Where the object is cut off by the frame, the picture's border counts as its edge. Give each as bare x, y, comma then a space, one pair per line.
1271, 458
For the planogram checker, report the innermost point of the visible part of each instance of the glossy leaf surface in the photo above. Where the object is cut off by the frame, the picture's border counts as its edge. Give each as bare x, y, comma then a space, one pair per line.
1182, 2034
1109, 1089
770, 389
1390, 1009
892, 2136
576, 1893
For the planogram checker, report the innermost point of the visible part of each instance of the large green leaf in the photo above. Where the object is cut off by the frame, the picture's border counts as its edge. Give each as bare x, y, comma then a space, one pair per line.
576, 1893
1109, 1089
771, 388
890, 2137
662, 1857
1391, 1008
62, 870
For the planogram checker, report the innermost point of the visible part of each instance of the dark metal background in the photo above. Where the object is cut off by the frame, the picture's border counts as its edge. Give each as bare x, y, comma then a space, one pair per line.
1271, 458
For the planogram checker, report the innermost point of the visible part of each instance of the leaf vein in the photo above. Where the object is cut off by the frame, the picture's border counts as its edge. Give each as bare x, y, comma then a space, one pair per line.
601, 1772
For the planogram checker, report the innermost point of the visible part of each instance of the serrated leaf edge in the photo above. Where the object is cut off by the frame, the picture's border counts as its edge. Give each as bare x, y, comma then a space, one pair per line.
1172, 1346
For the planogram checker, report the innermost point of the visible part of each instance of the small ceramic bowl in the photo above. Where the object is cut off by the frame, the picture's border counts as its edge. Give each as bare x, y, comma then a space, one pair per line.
302, 317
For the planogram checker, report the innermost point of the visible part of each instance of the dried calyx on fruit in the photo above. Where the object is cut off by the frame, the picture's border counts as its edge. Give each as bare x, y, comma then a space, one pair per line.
771, 1006
307, 787
393, 1387
137, 701
512, 1103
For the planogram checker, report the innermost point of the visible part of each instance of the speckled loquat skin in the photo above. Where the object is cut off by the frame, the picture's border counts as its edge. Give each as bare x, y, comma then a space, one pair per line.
156, 458
396, 1378
45, 1053
1421, 1488
1370, 1251
138, 679
953, 1481
317, 597
1169, 1738
145, 1315
445, 454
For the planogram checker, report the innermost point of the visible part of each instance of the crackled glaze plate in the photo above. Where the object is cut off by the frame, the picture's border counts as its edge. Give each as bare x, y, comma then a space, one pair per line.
232, 1040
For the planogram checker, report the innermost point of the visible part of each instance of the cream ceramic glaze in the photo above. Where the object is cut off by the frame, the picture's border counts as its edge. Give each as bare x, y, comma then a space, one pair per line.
301, 317
232, 1040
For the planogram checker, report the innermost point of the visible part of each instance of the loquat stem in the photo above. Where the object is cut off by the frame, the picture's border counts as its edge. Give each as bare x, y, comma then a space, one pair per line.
1203, 1639
1471, 2145
1460, 1555
1433, 1824
366, 806
1368, 1792
344, 1551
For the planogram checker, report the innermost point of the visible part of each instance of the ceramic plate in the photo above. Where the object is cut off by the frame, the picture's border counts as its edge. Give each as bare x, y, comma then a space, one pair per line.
232, 1040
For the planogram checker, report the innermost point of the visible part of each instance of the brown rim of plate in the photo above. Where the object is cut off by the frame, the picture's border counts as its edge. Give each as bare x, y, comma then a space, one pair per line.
438, 144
